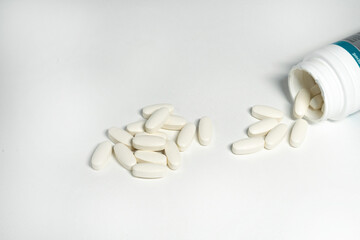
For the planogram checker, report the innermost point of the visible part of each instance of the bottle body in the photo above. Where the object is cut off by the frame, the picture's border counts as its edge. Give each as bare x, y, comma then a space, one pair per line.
336, 70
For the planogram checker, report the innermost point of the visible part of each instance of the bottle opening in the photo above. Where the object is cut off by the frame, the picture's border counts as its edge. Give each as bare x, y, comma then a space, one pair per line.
299, 79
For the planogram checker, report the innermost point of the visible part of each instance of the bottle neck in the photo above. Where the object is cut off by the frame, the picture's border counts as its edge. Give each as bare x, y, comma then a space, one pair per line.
316, 71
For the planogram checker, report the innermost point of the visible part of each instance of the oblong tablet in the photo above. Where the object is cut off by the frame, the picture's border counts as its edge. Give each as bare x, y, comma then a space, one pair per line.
101, 155
174, 122
149, 143
149, 170
173, 155
117, 135
157, 120
298, 133
315, 90
136, 127
301, 104
150, 157
148, 110
263, 112
316, 102
313, 114
205, 131
124, 156
248, 145
275, 136
262, 127
186, 136
158, 134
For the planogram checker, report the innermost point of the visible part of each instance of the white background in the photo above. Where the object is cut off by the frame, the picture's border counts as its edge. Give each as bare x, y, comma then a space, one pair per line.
69, 70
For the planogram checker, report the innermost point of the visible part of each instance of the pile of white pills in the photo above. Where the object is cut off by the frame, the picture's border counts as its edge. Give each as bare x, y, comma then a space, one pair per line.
269, 131
145, 148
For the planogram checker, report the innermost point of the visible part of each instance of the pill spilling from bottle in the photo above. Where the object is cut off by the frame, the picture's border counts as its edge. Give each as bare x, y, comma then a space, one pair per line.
146, 148
269, 132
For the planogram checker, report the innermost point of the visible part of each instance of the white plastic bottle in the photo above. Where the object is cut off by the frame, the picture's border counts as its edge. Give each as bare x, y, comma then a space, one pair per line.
336, 70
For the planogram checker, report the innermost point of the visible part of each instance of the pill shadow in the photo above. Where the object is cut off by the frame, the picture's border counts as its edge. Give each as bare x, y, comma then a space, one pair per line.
229, 147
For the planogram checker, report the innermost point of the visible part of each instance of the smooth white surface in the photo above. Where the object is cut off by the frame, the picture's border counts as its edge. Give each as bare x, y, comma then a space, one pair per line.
298, 132
301, 103
262, 127
263, 112
150, 157
156, 120
205, 131
275, 136
149, 143
69, 70
124, 156
173, 155
186, 136
117, 135
248, 145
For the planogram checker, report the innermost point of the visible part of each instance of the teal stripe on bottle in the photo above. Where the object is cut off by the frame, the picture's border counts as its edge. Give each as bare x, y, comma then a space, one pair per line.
355, 53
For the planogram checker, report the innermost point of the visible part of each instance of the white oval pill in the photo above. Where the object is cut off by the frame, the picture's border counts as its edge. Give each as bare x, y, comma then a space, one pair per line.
157, 120
173, 155
262, 127
301, 103
174, 122
148, 110
149, 143
315, 90
149, 170
117, 135
263, 112
136, 127
124, 156
313, 114
275, 136
150, 157
186, 136
158, 134
298, 133
101, 155
316, 102
248, 145
205, 131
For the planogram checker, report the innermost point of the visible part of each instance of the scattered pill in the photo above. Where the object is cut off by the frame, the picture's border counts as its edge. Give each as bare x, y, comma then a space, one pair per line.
149, 143
315, 90
263, 112
158, 134
301, 103
316, 102
101, 155
298, 133
124, 156
117, 135
149, 170
248, 145
186, 136
173, 155
262, 127
157, 120
174, 122
205, 131
136, 127
150, 147
148, 110
275, 136
150, 157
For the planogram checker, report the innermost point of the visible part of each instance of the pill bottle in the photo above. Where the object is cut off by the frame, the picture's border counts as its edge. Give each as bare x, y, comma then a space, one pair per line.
336, 70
